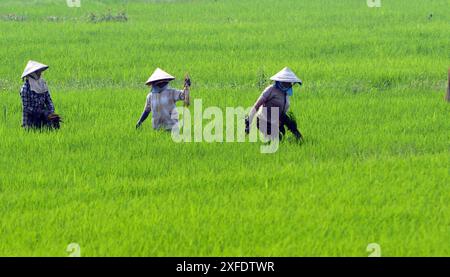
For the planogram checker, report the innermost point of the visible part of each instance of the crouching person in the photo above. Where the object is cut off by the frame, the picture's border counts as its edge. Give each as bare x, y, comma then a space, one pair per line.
275, 99
38, 109
161, 101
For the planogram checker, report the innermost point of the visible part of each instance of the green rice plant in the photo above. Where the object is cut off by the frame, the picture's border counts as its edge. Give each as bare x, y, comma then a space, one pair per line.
374, 165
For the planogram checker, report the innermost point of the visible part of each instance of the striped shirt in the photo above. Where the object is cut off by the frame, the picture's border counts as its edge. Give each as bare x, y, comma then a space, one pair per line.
34, 104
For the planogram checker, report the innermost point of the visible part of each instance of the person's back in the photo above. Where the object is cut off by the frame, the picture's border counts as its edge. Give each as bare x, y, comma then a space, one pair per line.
274, 101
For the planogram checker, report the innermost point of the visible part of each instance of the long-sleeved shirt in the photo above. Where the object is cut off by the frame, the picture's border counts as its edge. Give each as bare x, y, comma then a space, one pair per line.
269, 98
34, 103
162, 105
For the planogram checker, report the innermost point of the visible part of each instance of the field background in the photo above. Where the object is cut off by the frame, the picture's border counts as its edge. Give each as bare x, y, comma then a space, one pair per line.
374, 166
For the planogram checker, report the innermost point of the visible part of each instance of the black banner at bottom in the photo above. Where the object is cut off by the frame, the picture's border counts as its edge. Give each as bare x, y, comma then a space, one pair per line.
222, 266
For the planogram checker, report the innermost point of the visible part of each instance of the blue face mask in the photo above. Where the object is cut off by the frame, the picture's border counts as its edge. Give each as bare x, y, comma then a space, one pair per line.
156, 89
288, 91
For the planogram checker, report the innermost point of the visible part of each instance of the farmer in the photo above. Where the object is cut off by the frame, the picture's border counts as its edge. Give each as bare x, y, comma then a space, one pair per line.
162, 101
275, 96
38, 109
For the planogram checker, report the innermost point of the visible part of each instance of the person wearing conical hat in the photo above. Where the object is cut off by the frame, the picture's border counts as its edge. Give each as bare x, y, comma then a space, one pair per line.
161, 101
38, 108
275, 96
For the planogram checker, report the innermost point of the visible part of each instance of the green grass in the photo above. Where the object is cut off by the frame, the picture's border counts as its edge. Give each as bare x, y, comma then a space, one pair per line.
374, 166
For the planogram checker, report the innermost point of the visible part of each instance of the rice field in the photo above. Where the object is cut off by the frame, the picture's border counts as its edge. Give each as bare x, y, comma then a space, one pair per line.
373, 168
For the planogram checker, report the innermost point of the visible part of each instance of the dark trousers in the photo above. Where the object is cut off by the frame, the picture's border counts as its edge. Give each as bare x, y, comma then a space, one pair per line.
40, 120
286, 121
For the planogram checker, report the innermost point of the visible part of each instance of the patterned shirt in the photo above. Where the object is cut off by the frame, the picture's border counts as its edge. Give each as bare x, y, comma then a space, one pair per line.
163, 107
34, 103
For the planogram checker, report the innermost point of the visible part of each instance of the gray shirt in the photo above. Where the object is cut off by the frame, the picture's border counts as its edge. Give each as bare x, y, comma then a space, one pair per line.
163, 107
270, 97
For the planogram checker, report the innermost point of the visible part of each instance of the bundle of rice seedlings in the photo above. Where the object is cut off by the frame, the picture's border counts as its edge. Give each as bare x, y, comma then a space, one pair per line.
55, 120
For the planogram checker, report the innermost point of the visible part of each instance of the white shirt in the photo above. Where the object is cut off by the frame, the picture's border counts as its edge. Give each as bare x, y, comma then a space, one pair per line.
163, 107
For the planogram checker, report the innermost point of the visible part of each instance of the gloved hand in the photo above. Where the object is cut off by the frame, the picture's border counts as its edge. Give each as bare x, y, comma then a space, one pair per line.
187, 85
187, 81
138, 125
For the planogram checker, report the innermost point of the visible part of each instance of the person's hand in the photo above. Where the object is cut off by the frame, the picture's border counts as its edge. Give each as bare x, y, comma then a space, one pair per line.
187, 81
138, 125
54, 117
54, 120
51, 115
48, 114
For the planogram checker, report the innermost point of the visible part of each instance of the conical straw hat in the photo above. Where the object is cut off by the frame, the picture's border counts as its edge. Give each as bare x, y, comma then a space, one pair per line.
159, 75
286, 75
33, 66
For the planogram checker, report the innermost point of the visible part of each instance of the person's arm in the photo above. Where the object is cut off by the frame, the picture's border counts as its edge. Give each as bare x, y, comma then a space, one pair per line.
183, 95
146, 112
261, 100
26, 98
49, 103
